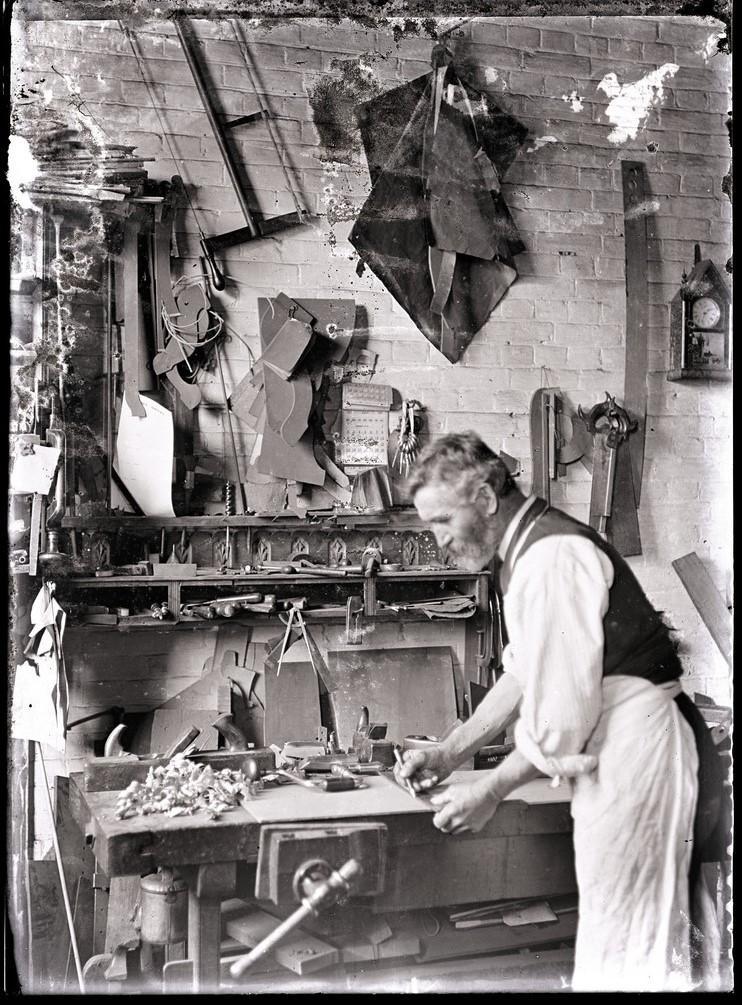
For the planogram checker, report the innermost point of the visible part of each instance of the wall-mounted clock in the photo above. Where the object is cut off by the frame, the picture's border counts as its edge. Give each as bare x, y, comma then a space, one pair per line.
701, 325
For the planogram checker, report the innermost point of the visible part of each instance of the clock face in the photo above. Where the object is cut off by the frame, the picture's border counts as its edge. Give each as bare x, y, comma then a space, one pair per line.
706, 313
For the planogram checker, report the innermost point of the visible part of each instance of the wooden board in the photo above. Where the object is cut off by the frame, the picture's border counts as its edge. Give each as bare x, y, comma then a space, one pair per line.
381, 797
327, 347
291, 700
201, 702
287, 404
636, 207
450, 942
300, 952
411, 689
707, 601
623, 525
295, 462
534, 820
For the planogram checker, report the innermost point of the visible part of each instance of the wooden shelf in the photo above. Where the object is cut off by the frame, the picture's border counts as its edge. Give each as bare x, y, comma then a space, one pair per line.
252, 579
700, 374
403, 518
249, 621
478, 585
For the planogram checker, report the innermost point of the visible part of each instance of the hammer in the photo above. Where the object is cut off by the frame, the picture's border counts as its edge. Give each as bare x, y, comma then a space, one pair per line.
371, 560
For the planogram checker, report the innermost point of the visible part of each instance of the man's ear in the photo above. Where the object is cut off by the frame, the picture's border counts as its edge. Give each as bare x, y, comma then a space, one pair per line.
489, 497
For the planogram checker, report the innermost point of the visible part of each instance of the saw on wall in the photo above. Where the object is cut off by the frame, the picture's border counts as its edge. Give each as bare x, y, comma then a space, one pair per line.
559, 437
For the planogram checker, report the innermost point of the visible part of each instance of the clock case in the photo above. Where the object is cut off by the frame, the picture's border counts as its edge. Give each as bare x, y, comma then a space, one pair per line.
695, 352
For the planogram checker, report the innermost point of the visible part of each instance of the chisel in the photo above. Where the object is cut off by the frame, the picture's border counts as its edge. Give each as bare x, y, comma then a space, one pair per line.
336, 783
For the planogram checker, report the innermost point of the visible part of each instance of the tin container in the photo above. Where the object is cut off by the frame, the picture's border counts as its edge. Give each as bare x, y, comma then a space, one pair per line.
164, 908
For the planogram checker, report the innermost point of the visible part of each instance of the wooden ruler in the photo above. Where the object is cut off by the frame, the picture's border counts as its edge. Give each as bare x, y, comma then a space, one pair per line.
623, 529
131, 319
33, 546
636, 209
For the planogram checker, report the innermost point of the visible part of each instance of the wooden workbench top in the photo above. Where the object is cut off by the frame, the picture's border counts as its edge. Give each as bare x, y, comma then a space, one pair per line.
139, 844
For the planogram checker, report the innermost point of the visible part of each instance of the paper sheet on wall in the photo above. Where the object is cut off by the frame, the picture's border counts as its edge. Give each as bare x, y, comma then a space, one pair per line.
43, 678
33, 469
144, 457
35, 713
364, 438
46, 616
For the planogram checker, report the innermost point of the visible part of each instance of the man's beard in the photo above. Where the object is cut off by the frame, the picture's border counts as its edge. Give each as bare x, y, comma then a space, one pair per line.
471, 557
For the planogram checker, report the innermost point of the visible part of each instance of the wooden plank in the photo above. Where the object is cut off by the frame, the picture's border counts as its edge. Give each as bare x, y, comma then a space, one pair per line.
396, 947
207, 887
286, 348
122, 900
411, 689
623, 524
451, 942
130, 260
707, 601
636, 210
333, 325
292, 709
383, 797
33, 545
295, 462
299, 952
287, 405
401, 516
20, 806
138, 844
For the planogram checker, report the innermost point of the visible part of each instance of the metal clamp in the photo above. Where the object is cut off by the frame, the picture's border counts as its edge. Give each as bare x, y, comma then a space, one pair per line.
609, 417
318, 886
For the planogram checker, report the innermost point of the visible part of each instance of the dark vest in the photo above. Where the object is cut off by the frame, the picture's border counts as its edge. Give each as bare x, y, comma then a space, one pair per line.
637, 642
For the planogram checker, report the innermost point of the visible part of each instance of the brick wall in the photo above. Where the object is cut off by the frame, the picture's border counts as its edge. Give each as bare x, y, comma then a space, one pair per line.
563, 321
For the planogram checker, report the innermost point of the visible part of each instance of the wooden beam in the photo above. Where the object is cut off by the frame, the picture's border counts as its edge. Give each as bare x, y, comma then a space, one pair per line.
636, 209
707, 601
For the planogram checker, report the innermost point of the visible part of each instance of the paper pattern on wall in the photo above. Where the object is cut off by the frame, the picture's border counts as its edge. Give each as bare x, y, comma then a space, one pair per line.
35, 714
144, 457
33, 471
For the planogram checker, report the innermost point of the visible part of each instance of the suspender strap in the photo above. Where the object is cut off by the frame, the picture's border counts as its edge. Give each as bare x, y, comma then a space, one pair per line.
528, 520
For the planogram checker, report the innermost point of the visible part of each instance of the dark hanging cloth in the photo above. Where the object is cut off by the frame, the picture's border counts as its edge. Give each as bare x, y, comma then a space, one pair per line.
435, 228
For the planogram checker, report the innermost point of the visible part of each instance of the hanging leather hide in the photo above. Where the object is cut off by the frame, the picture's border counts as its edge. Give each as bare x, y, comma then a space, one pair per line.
435, 228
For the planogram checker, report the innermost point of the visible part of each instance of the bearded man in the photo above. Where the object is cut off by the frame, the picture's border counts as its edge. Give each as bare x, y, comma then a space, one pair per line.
593, 678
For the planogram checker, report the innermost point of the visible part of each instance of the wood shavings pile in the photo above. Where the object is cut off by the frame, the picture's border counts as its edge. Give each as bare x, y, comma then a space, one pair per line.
183, 787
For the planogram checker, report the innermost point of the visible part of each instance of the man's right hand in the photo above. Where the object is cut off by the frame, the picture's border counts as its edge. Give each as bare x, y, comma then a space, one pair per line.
423, 768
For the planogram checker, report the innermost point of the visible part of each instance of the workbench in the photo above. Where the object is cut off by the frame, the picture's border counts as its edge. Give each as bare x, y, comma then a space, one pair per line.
524, 851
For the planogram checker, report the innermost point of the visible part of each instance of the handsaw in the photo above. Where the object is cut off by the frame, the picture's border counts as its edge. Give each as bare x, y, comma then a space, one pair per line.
558, 437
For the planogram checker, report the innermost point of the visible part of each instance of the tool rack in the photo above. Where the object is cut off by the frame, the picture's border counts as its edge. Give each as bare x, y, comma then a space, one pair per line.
328, 596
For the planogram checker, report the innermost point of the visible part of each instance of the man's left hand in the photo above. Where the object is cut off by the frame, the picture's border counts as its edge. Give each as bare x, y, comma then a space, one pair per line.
465, 807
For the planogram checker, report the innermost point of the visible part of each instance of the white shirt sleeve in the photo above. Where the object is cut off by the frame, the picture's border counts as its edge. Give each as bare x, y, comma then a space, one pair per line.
554, 610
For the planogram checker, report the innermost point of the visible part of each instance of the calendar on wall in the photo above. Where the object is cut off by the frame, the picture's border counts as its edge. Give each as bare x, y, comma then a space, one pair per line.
364, 438
367, 396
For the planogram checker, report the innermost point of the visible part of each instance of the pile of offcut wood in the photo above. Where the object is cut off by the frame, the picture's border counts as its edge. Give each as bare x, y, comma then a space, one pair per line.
183, 787
75, 166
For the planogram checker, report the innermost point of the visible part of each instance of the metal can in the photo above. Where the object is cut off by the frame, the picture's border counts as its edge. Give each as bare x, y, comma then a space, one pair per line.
164, 908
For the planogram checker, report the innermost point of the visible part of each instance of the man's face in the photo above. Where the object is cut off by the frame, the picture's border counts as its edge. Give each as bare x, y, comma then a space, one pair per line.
460, 523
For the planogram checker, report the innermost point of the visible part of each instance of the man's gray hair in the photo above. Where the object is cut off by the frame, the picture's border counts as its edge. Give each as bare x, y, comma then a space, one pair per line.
461, 459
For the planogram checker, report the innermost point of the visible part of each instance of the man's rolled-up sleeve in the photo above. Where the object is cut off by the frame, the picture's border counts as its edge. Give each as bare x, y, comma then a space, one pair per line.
554, 610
